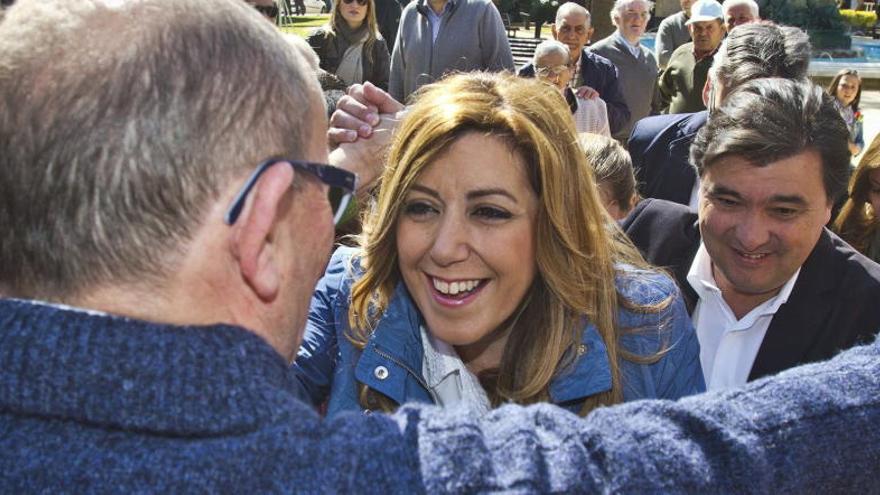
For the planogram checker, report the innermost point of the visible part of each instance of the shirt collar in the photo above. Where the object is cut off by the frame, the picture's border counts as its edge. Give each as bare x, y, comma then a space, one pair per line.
703, 282
450, 4
441, 360
636, 49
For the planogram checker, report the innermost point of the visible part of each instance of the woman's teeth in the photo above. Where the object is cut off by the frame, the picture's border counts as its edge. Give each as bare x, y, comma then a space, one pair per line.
454, 288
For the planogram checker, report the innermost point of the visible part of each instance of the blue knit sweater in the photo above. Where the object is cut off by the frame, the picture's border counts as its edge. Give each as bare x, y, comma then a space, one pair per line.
92, 403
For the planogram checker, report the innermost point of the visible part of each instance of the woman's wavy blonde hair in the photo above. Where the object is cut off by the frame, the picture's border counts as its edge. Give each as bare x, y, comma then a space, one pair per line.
857, 220
577, 245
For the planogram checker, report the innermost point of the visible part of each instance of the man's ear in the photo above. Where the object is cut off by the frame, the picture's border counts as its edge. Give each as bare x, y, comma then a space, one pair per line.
553, 31
254, 246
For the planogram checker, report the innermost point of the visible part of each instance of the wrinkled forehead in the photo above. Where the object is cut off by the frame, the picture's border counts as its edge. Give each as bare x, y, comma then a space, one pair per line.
573, 20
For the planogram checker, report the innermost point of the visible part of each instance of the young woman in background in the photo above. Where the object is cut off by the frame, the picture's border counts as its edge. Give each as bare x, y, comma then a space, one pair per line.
350, 45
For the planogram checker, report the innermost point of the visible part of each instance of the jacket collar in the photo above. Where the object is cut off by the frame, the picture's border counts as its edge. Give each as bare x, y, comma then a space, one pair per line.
793, 329
122, 373
422, 7
396, 346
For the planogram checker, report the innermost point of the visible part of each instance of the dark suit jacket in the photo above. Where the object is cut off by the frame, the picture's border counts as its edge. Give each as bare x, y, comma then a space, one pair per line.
834, 304
600, 74
660, 150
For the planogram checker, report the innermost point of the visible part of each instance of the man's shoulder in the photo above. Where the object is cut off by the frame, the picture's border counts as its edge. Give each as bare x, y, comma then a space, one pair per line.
474, 5
665, 128
605, 45
670, 21
683, 54
659, 212
411, 10
856, 271
596, 60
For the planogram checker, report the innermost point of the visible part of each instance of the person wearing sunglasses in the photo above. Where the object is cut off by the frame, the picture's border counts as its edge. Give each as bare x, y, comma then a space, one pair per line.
350, 45
268, 8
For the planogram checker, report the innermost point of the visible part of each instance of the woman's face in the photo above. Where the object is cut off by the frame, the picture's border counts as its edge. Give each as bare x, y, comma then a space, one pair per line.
847, 89
874, 191
554, 69
353, 11
466, 240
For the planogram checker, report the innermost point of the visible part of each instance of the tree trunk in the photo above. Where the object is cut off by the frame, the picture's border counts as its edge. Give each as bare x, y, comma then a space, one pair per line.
601, 13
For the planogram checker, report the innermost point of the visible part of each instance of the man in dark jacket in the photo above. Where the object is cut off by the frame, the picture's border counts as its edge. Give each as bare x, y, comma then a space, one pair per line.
156, 271
770, 288
594, 75
659, 145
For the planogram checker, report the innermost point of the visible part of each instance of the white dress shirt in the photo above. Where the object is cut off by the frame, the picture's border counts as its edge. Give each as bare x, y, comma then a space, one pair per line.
728, 346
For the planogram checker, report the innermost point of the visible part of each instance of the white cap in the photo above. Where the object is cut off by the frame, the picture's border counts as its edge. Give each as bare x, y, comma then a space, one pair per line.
705, 10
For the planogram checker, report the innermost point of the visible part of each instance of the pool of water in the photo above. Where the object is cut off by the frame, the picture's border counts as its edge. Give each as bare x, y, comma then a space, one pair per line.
826, 65
869, 47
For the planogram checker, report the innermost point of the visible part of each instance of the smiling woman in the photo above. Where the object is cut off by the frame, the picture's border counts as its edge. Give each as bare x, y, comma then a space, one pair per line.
488, 272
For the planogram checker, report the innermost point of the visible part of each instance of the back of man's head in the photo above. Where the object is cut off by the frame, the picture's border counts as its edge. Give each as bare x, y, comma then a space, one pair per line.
761, 49
121, 122
767, 120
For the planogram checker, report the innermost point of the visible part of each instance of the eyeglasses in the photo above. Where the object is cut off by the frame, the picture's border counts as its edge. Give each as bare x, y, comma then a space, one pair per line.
360, 2
555, 71
342, 184
267, 10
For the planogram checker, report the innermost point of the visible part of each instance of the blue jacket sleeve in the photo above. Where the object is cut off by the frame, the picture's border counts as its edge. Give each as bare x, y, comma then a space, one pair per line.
814, 428
678, 373
666, 335
316, 361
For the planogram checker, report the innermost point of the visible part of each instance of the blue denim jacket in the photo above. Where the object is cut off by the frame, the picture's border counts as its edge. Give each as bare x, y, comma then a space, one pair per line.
329, 365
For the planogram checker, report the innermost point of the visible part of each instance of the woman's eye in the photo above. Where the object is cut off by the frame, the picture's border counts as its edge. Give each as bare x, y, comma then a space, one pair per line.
418, 209
492, 213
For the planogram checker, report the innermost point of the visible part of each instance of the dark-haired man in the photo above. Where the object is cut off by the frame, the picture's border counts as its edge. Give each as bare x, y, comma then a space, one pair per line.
770, 288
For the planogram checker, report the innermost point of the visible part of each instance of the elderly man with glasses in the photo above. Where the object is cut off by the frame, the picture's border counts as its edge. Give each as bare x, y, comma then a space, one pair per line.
552, 66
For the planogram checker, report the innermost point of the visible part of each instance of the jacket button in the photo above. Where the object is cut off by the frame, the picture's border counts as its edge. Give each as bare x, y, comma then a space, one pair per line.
380, 372
582, 349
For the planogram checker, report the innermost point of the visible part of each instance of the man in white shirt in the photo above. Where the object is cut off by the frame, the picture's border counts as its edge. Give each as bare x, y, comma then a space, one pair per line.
770, 287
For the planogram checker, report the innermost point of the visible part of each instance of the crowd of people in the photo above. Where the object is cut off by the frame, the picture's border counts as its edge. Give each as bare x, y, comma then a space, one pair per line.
548, 289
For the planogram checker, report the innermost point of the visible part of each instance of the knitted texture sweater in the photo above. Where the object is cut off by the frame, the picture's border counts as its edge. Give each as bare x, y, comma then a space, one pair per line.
92, 403
95, 403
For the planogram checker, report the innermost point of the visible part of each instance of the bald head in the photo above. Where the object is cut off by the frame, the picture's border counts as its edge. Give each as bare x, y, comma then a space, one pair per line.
123, 119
